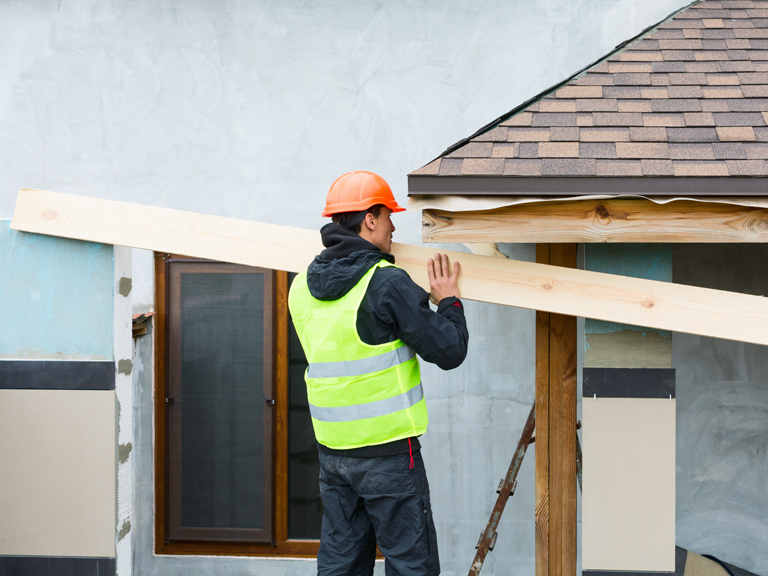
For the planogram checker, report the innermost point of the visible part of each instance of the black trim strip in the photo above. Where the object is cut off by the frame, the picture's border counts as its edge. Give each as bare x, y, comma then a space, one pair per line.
629, 382
56, 375
582, 185
623, 573
47, 566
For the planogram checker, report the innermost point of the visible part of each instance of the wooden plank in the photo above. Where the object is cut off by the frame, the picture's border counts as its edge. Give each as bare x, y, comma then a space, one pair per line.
542, 431
562, 431
615, 220
554, 289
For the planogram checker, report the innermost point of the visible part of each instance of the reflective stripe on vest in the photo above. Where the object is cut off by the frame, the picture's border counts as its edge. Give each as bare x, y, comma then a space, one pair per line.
369, 410
359, 367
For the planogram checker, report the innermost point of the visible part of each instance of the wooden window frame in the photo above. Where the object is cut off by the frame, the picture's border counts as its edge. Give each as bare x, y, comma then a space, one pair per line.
281, 546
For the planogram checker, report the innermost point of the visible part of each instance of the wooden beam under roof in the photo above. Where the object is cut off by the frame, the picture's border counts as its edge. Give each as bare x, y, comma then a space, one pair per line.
635, 301
612, 220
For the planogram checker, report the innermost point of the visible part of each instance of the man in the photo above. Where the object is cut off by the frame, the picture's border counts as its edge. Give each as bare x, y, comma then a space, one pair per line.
361, 321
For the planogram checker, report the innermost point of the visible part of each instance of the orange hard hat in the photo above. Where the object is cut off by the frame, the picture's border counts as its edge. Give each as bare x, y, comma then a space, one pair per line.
357, 191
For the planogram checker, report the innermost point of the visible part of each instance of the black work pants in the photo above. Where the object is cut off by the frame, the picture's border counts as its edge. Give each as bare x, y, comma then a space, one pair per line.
370, 500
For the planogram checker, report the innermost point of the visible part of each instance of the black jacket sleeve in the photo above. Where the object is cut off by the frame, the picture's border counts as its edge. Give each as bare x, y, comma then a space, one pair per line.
396, 307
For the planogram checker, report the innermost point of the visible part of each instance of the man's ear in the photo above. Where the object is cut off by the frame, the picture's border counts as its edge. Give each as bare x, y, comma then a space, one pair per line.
370, 221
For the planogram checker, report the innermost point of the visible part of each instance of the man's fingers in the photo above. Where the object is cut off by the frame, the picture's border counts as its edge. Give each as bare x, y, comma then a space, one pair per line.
444, 265
431, 270
456, 268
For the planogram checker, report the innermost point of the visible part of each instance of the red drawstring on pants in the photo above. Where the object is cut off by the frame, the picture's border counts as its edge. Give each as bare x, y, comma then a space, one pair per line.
410, 451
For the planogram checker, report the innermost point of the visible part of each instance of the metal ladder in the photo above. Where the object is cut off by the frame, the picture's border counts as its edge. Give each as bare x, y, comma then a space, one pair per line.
507, 488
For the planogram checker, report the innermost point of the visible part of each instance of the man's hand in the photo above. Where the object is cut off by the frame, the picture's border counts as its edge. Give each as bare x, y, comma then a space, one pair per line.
442, 283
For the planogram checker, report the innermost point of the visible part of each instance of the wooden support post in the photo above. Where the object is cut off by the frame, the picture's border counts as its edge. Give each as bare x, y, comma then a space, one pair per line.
542, 430
556, 431
628, 514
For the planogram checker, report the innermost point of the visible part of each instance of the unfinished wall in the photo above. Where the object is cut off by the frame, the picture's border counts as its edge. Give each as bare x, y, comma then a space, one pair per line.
58, 455
252, 110
629, 428
722, 418
44, 302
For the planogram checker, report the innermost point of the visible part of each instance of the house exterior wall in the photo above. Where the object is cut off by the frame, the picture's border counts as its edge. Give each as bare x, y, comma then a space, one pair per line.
43, 300
252, 110
722, 423
476, 417
58, 406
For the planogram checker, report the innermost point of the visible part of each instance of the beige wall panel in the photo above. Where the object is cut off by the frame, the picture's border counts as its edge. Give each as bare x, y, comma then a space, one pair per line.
57, 473
628, 511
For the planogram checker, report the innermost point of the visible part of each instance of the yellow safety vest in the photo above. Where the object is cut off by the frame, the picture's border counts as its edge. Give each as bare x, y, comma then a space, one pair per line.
359, 394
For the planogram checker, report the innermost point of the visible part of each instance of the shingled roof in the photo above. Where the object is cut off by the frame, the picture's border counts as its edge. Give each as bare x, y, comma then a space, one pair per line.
686, 103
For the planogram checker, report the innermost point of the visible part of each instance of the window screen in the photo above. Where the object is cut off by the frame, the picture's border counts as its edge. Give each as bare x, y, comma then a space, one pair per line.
220, 373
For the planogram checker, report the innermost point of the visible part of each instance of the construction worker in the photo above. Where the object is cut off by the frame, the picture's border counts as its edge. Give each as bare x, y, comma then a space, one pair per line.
361, 321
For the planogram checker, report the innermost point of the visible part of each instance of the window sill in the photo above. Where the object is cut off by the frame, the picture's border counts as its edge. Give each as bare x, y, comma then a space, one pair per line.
284, 549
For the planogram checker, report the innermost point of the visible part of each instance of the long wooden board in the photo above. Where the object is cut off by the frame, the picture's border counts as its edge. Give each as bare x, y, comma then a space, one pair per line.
606, 220
513, 283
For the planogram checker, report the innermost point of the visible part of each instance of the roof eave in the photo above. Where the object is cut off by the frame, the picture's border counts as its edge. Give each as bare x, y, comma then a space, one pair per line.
583, 185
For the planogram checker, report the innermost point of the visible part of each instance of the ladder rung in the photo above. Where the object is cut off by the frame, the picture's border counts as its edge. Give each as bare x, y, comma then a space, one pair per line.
511, 490
493, 541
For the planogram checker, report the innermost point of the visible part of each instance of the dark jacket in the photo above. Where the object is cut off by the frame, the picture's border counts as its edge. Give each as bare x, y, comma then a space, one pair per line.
394, 307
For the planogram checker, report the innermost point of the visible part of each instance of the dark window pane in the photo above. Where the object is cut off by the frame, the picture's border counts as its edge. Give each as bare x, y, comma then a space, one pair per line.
222, 423
305, 509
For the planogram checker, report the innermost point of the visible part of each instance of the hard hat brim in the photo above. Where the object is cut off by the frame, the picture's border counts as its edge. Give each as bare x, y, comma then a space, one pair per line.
359, 206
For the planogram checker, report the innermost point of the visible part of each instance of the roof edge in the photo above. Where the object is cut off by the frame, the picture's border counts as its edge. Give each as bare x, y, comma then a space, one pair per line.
581, 185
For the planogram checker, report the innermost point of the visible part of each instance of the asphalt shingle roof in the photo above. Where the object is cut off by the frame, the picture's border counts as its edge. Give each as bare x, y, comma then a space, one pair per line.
689, 98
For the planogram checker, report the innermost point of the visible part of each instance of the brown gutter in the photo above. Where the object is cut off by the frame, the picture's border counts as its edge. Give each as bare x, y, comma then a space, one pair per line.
576, 185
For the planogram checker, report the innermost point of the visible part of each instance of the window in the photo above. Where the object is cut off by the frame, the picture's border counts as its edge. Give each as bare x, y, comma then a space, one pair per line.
236, 460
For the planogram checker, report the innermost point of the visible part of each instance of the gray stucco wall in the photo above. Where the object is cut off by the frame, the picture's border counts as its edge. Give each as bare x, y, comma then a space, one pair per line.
722, 418
253, 109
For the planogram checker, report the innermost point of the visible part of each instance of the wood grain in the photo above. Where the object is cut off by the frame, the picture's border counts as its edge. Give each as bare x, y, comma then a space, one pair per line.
161, 438
281, 407
289, 548
562, 431
616, 220
513, 283
542, 432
